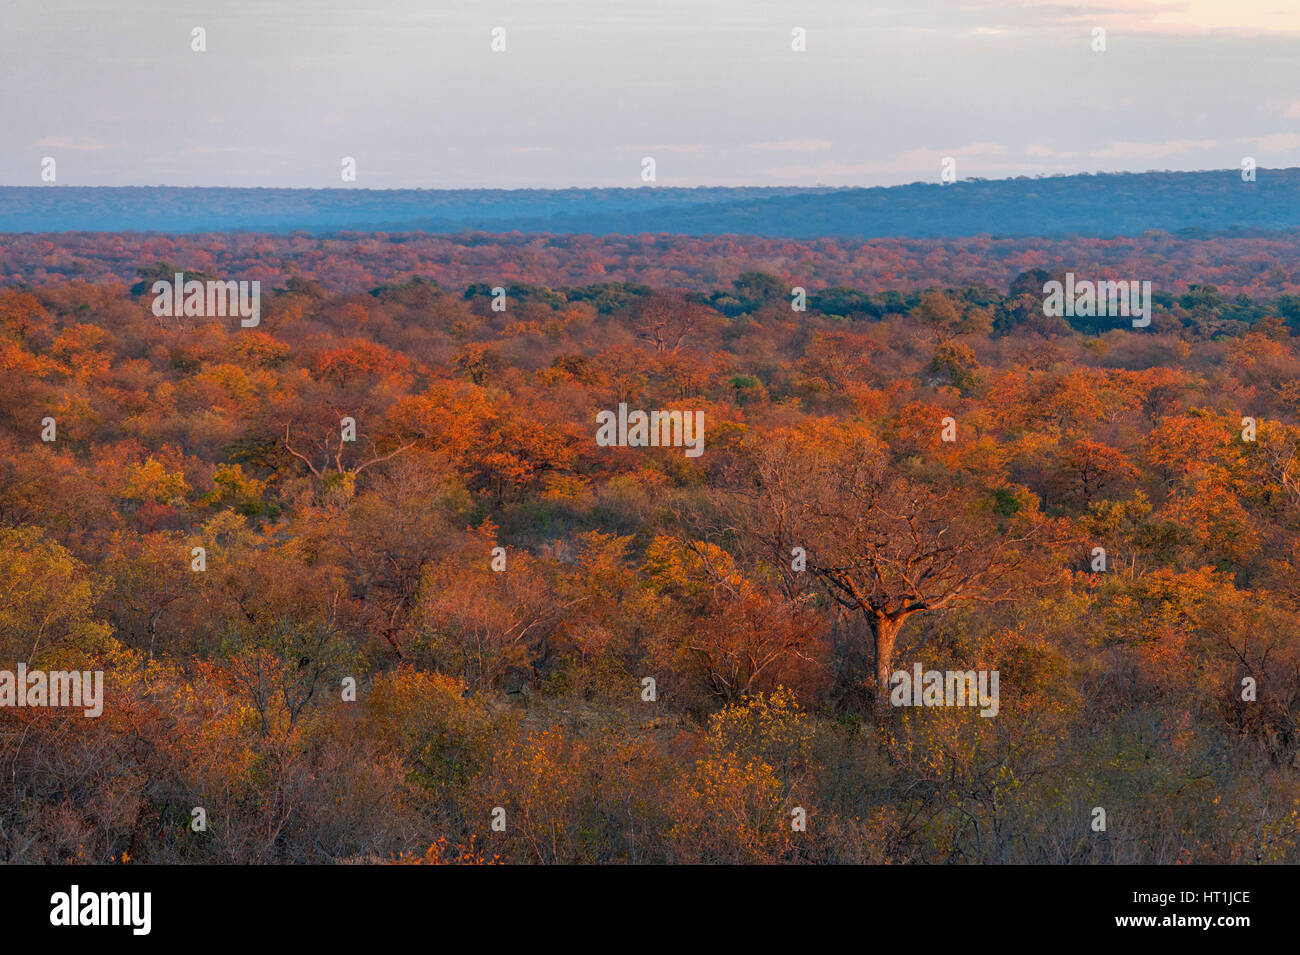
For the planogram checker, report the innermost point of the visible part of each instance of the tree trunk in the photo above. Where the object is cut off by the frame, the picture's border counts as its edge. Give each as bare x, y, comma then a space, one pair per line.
884, 631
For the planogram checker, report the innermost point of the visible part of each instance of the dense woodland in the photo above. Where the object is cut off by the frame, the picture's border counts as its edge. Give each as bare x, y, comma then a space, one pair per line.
522, 688
1263, 266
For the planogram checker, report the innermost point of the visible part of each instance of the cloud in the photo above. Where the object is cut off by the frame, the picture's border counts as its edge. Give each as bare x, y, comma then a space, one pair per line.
1251, 17
925, 157
914, 165
686, 148
1277, 142
1172, 147
74, 144
1043, 151
795, 146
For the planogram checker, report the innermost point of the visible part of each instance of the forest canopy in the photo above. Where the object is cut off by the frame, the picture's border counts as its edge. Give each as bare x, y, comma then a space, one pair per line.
498, 587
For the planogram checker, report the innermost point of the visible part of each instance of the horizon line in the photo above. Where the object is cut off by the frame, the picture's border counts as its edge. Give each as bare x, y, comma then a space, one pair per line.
658, 187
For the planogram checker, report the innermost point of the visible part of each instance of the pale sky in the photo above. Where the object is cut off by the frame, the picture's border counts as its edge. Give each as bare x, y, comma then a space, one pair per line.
585, 88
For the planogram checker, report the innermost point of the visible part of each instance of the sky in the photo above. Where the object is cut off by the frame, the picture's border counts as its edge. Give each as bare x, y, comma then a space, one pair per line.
585, 89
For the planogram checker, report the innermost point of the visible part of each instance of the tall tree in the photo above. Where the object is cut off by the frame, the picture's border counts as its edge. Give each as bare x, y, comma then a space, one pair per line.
882, 544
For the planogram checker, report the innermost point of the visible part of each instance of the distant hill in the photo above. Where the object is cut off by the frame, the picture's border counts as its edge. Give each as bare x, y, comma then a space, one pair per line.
1102, 205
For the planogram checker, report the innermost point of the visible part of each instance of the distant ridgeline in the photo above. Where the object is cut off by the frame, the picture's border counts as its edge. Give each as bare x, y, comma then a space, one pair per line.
1099, 205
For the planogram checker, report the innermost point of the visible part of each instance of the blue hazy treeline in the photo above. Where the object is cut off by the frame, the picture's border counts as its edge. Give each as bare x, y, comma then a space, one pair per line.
1101, 205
